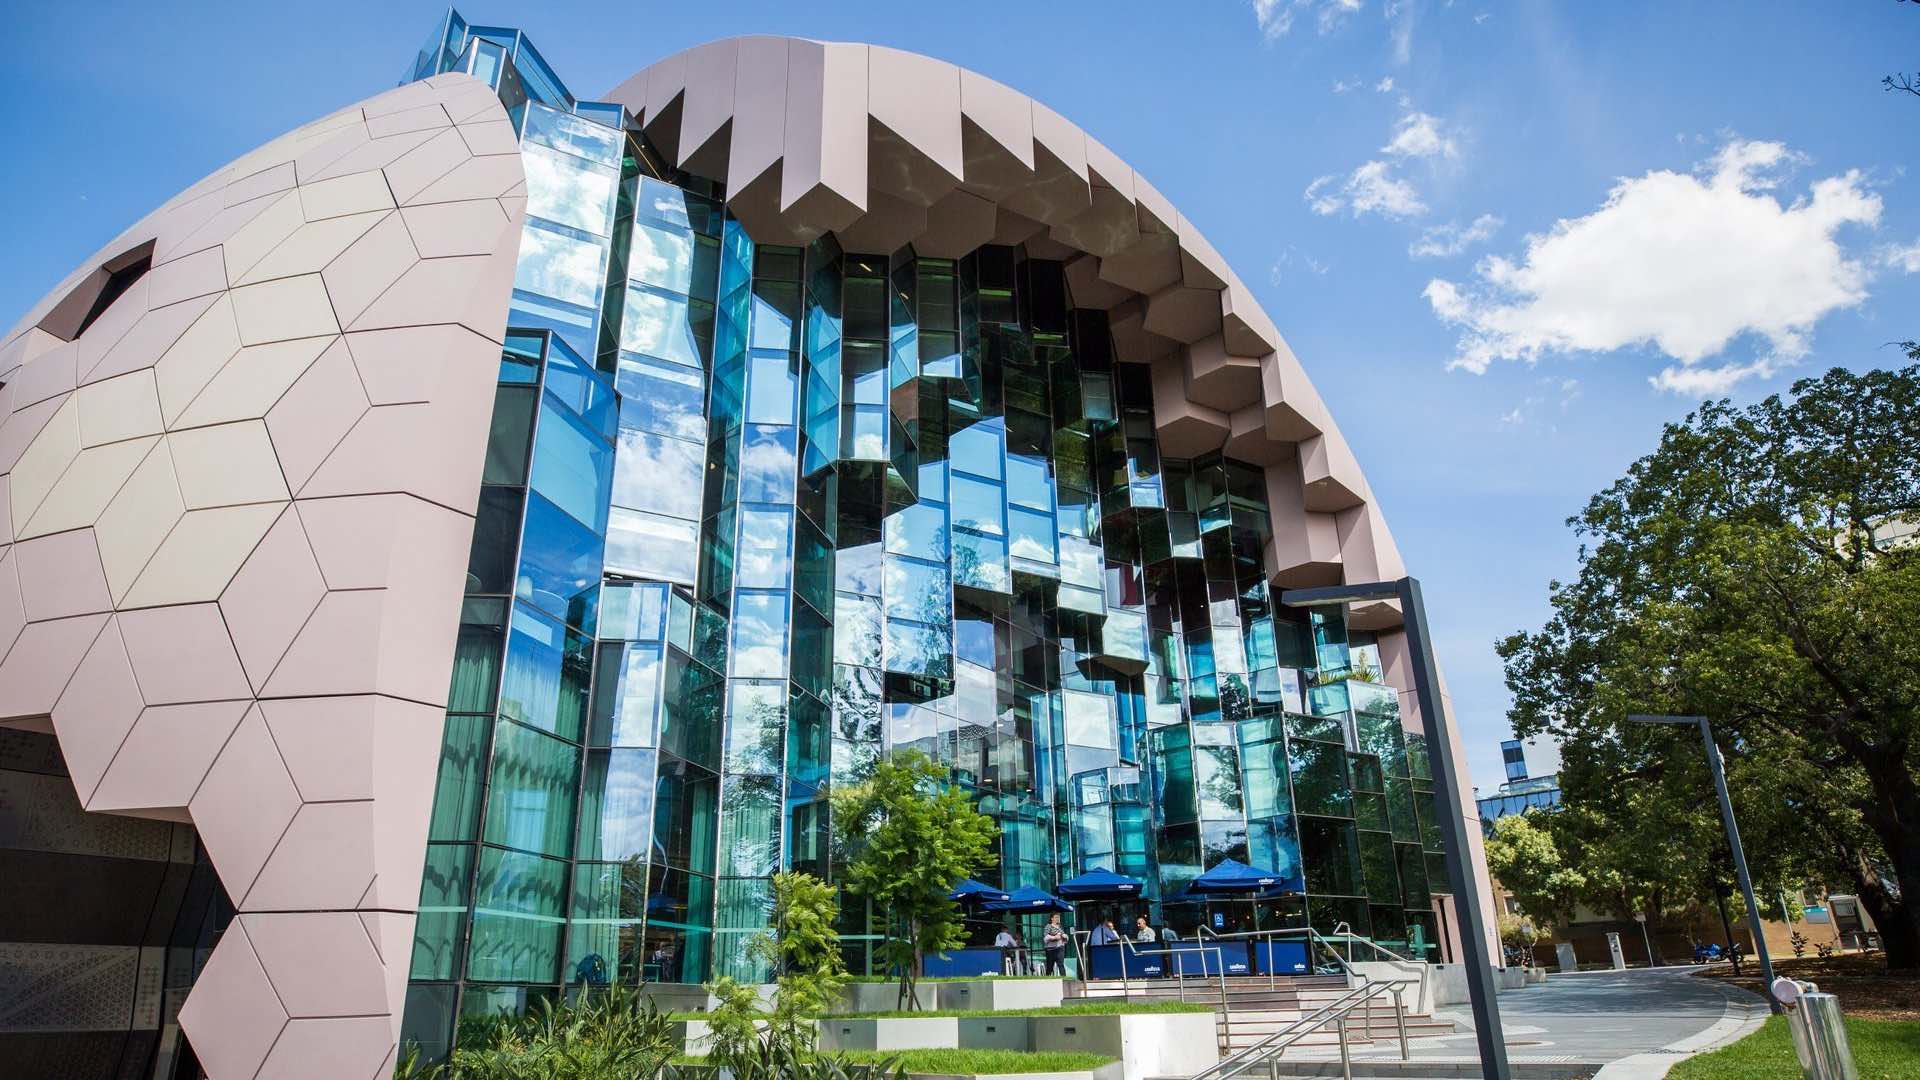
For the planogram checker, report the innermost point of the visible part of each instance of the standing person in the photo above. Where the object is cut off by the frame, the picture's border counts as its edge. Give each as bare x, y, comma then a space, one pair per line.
1009, 946
1143, 933
1054, 940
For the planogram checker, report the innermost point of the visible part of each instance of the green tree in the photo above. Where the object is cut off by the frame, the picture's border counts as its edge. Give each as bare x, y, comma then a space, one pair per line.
911, 836
1747, 570
1523, 858
803, 951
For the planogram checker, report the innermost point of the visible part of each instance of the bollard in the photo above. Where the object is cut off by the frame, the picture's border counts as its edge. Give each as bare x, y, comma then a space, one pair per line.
1819, 1030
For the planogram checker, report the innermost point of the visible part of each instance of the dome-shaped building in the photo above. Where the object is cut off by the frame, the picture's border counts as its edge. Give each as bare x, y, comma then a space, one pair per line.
496, 522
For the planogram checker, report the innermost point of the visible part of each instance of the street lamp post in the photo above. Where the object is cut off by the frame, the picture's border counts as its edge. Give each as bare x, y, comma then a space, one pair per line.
1475, 957
1719, 770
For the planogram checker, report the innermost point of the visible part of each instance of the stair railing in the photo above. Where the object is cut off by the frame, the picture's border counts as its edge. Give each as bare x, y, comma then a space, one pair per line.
1335, 1012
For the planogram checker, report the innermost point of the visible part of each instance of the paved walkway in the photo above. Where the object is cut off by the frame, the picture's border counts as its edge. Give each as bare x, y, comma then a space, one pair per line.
1636, 1023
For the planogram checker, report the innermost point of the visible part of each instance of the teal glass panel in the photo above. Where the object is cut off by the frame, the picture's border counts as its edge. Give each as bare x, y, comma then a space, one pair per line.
1378, 867
749, 827
1216, 778
662, 257
1320, 781
917, 590
686, 803
1330, 851
531, 793
756, 727
518, 917
616, 805
463, 764
572, 465
548, 667
572, 134
476, 655
559, 564
919, 649
604, 943
439, 934
980, 562
627, 694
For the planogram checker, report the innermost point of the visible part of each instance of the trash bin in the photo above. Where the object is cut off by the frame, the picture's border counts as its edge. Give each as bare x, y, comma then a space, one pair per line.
1819, 1031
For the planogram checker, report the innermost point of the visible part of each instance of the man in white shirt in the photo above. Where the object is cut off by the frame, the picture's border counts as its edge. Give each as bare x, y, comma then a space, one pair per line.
1143, 933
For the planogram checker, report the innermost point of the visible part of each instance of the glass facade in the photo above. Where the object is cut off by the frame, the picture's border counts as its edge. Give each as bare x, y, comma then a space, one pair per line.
755, 515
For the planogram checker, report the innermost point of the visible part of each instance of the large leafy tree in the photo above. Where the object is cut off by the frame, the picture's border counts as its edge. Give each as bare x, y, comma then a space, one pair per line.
910, 836
1752, 569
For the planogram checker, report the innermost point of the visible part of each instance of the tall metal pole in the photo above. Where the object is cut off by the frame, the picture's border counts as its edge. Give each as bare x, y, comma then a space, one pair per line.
1739, 861
1475, 956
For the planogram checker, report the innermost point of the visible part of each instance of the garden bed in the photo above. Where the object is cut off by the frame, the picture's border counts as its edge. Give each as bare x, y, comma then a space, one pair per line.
1866, 989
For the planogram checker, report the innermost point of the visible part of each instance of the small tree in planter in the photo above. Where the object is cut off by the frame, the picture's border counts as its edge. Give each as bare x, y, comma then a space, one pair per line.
911, 837
1519, 935
804, 952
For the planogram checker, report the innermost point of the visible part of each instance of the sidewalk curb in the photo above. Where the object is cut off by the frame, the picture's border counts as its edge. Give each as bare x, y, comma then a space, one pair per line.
1745, 1012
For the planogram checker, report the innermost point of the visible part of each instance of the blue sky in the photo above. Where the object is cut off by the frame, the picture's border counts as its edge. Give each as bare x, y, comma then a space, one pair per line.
1507, 240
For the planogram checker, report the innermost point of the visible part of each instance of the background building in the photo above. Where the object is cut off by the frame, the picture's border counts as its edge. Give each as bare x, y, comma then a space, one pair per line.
1521, 792
497, 521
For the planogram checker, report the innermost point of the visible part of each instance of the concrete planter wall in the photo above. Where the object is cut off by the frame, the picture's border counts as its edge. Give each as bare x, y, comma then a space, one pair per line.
988, 994
864, 997
996, 1032
892, 1033
1104, 1072
1448, 984
1536, 976
1149, 1044
1418, 994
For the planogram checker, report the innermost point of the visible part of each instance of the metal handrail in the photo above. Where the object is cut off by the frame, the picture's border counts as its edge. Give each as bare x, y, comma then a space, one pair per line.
1345, 929
1335, 1011
1129, 948
1309, 932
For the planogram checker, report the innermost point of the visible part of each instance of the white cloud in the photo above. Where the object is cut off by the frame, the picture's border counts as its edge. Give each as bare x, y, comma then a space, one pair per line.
1370, 189
1384, 86
1482, 17
1341, 86
1902, 257
1375, 187
1419, 135
1401, 14
1275, 17
1282, 265
1684, 262
1445, 241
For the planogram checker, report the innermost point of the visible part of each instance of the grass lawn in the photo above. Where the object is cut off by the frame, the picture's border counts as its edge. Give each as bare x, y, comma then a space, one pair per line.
1097, 1007
984, 1061
1882, 1049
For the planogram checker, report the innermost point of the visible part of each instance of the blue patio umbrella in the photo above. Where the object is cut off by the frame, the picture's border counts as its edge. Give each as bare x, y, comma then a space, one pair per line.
1234, 876
970, 892
1100, 885
1028, 899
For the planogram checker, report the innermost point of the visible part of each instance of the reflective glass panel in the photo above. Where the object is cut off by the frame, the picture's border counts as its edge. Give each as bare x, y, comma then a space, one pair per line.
616, 809
531, 794
650, 546
656, 324
759, 635
568, 190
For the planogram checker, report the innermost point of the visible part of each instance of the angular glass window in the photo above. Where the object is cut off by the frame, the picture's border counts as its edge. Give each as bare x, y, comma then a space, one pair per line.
662, 257
772, 387
548, 667
767, 463
569, 190
756, 727
627, 695
977, 505
439, 934
559, 565
856, 626
759, 635
616, 807
561, 266
662, 398
980, 563
917, 590
650, 546
919, 529
1027, 484
517, 917
656, 324
977, 449
572, 466
1030, 536
569, 133
660, 475
530, 798
463, 764
763, 557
